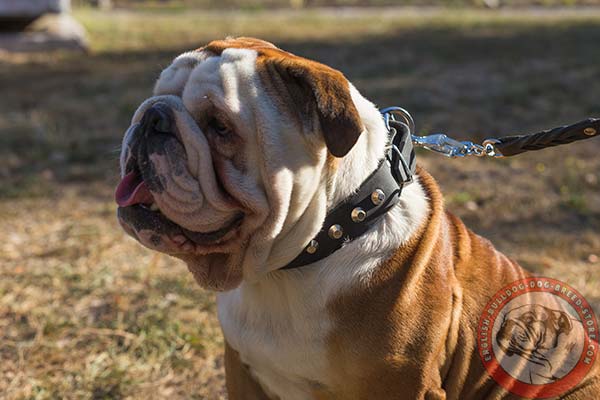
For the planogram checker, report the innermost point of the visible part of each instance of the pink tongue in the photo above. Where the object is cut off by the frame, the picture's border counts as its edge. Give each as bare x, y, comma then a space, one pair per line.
132, 190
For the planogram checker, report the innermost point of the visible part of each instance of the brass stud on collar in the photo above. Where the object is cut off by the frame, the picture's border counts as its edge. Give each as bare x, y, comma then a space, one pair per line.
312, 247
590, 131
358, 214
377, 197
335, 231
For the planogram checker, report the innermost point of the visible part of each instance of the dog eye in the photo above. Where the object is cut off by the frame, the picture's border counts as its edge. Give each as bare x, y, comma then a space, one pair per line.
219, 127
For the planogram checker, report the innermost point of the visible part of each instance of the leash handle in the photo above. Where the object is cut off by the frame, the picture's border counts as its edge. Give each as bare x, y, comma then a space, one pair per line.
513, 145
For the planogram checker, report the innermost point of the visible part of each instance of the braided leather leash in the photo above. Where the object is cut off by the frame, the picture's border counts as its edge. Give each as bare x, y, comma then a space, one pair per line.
513, 145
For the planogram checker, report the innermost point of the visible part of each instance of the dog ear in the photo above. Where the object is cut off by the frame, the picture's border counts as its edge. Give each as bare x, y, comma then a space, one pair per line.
314, 86
562, 322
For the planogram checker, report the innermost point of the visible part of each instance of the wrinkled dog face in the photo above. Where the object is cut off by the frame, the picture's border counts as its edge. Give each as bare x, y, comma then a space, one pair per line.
532, 329
227, 166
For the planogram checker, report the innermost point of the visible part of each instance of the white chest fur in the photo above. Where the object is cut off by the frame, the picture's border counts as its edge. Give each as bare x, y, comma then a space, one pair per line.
279, 328
280, 325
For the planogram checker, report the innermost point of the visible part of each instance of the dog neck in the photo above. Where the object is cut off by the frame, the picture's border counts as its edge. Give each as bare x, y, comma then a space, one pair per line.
283, 317
344, 268
350, 173
363, 159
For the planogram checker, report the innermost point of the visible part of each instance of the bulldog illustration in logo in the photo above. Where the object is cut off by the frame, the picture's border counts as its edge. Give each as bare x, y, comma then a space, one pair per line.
545, 338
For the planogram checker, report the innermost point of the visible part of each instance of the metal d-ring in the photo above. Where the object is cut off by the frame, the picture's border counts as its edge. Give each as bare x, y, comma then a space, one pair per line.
389, 113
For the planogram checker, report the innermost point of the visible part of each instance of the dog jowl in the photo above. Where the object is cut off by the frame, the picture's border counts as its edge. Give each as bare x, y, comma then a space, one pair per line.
210, 164
233, 165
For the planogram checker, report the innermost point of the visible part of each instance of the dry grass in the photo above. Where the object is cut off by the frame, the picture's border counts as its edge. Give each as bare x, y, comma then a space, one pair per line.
87, 313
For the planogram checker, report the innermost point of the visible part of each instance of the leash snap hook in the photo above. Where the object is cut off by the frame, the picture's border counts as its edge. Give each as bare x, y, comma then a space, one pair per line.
441, 143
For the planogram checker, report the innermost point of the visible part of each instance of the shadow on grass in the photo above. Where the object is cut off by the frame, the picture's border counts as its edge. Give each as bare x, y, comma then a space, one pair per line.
63, 118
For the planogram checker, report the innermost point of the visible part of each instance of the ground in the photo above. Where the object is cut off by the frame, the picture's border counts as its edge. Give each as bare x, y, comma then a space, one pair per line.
85, 312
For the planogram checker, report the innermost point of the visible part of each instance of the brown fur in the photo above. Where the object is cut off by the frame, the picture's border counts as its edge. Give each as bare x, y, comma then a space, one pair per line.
318, 84
306, 87
410, 334
218, 46
240, 383
415, 331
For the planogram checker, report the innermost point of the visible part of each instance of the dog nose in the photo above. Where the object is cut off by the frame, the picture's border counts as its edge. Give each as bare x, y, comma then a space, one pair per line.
156, 119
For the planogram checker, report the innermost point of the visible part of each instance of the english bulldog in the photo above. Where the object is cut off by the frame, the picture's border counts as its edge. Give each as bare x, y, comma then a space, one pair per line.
547, 340
232, 167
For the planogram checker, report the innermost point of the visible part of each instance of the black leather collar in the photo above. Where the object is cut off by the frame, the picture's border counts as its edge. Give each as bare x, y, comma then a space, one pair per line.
377, 195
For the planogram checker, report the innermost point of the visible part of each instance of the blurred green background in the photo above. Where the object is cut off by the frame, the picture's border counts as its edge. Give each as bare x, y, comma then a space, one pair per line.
261, 4
86, 313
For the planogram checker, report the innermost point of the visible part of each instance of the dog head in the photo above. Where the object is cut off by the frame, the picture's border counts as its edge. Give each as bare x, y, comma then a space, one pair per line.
530, 330
231, 165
